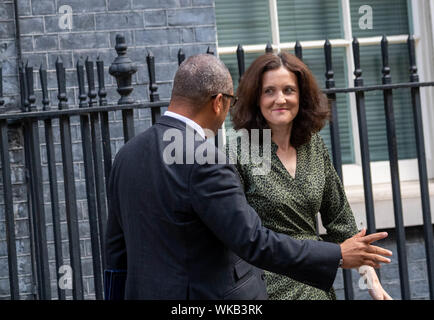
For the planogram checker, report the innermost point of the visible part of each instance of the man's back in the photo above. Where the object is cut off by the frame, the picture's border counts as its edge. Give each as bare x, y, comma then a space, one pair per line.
172, 254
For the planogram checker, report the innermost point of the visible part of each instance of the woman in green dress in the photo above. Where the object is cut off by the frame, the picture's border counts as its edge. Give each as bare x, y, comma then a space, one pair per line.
279, 92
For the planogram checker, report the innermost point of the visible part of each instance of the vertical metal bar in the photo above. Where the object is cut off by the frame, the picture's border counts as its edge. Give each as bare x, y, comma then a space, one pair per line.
364, 146
69, 183
421, 160
24, 103
298, 50
39, 226
394, 172
105, 129
99, 171
154, 96
2, 101
336, 146
240, 60
181, 57
7, 196
51, 164
89, 171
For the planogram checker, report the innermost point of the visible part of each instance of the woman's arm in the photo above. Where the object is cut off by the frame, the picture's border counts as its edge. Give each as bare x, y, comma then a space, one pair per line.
340, 224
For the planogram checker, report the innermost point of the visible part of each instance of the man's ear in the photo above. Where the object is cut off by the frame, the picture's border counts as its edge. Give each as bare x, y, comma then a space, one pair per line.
217, 104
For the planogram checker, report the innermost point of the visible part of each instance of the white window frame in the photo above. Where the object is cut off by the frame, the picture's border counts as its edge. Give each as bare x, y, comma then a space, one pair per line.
424, 36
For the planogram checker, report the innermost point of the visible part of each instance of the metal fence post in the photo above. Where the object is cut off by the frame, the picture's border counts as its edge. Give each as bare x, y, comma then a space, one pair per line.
394, 172
69, 184
336, 146
421, 160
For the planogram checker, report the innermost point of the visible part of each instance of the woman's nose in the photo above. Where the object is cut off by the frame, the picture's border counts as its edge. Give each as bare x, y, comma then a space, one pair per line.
280, 98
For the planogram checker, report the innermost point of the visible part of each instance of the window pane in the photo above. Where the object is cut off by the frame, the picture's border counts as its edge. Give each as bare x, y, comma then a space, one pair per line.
242, 21
389, 17
371, 65
309, 20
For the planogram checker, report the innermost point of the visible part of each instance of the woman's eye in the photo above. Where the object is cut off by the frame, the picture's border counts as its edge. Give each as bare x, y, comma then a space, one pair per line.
268, 91
289, 90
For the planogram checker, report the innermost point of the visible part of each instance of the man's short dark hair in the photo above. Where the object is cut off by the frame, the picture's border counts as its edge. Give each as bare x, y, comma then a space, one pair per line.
201, 76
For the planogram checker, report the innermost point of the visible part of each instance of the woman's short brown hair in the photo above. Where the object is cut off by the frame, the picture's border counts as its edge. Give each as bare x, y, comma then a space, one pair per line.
313, 105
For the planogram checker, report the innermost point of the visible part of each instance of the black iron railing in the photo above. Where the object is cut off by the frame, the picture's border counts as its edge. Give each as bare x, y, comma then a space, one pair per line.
93, 110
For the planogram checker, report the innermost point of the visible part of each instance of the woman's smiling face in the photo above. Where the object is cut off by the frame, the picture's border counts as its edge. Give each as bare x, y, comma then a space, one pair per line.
279, 101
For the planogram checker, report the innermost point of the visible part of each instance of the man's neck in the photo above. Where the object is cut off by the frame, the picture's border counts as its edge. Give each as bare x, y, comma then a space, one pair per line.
184, 109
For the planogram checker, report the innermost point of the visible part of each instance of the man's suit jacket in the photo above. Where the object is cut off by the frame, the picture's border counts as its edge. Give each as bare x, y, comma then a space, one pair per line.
185, 231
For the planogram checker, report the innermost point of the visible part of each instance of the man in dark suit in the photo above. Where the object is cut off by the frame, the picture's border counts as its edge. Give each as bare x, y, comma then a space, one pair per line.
183, 230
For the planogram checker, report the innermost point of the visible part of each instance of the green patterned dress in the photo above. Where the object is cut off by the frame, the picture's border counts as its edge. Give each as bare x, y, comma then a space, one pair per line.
290, 205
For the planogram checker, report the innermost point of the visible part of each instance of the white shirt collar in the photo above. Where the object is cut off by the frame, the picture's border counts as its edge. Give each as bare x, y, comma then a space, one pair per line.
187, 121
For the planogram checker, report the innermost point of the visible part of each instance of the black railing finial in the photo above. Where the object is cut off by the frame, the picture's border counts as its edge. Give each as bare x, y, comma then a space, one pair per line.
43, 78
123, 69
412, 56
91, 82
61, 84
385, 58
181, 56
330, 82
357, 69
268, 48
81, 91
30, 88
298, 50
102, 93
23, 85
240, 59
150, 60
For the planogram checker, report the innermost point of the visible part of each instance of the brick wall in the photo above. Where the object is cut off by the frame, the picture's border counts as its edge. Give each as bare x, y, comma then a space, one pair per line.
161, 26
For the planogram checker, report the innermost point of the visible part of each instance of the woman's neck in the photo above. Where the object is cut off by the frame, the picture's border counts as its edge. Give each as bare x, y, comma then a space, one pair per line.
282, 136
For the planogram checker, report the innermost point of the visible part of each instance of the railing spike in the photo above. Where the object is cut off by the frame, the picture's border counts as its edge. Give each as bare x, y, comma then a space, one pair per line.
91, 82
102, 93
268, 48
298, 50
181, 56
81, 91
150, 60
61, 84
240, 60
43, 78
30, 87
329, 65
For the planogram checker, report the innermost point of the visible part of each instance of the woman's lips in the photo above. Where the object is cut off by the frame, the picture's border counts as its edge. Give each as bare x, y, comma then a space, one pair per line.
281, 109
